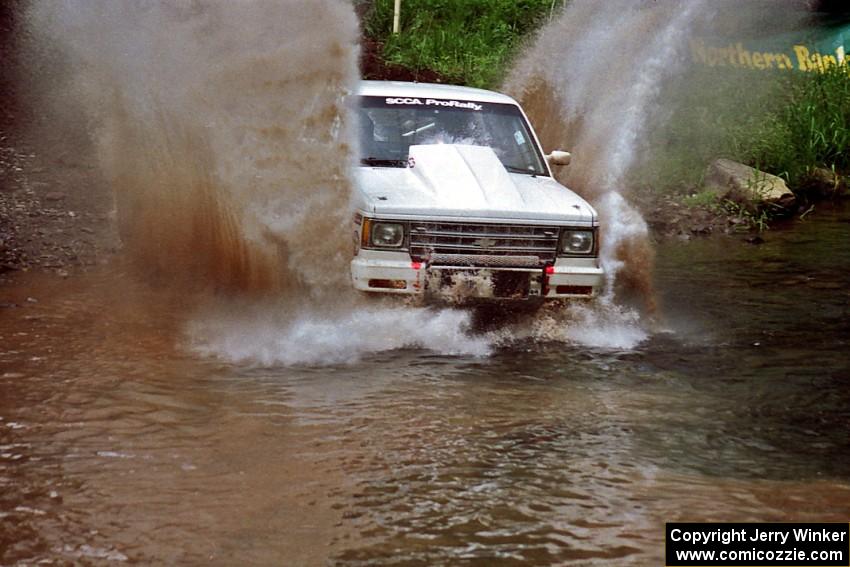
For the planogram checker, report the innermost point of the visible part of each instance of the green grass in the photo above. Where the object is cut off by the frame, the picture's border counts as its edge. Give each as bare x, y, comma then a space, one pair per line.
748, 219
784, 124
469, 42
811, 130
704, 114
703, 199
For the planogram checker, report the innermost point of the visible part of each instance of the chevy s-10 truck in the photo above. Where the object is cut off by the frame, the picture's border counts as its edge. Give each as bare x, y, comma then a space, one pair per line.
454, 198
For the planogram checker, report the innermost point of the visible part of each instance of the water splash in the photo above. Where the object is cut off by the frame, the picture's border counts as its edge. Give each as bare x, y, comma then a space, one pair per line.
606, 104
599, 68
222, 129
280, 334
604, 325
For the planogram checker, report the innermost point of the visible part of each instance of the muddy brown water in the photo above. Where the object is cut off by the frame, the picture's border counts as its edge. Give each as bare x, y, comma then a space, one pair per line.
118, 445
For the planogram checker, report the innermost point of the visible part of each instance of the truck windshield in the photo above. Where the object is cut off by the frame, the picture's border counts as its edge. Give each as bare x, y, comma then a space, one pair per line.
390, 125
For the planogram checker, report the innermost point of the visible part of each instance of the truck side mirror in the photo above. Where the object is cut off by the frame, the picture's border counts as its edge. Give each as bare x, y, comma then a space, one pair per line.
559, 157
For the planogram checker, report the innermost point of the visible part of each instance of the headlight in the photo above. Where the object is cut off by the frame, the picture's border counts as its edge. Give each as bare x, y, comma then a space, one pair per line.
387, 234
576, 242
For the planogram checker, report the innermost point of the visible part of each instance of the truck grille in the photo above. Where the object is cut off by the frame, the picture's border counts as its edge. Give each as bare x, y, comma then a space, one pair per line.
483, 244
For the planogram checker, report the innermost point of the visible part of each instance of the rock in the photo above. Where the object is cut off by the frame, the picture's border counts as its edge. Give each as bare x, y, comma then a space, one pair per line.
55, 196
743, 184
826, 176
823, 182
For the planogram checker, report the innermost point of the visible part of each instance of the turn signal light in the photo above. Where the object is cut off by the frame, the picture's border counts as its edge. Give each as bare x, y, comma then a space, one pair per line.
365, 232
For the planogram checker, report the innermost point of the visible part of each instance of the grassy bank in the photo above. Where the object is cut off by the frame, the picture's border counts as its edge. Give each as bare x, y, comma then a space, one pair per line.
811, 129
784, 124
794, 126
466, 41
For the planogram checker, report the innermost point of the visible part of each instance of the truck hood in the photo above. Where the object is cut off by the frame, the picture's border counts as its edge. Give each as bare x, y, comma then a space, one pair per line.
452, 180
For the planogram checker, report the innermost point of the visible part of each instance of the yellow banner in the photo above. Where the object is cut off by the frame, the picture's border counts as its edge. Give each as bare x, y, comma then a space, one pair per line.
799, 57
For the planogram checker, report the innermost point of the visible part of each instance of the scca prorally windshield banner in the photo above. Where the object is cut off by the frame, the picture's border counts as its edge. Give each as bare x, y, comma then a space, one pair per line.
434, 102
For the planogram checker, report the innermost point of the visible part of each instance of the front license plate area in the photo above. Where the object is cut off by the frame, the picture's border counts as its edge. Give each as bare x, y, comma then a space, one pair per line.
511, 285
459, 284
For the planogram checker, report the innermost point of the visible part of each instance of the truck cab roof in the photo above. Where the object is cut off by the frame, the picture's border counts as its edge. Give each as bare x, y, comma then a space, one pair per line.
430, 90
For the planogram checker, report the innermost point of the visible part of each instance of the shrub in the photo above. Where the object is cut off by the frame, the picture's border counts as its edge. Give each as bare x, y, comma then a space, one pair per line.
811, 130
467, 41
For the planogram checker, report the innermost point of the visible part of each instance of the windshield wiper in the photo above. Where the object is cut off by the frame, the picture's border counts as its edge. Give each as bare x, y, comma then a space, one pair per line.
383, 162
515, 169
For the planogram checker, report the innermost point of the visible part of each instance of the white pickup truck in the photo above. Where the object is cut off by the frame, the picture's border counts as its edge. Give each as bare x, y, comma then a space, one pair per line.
455, 199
